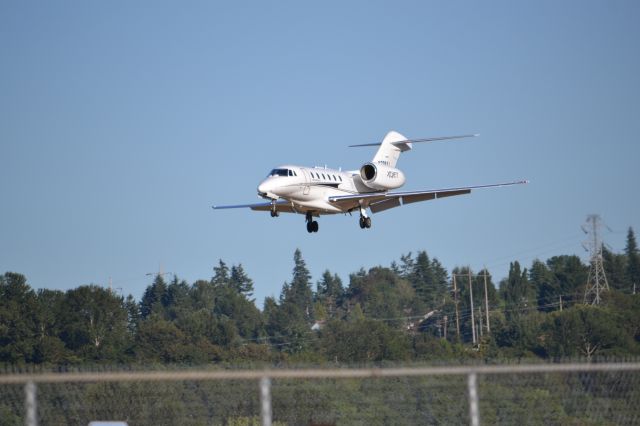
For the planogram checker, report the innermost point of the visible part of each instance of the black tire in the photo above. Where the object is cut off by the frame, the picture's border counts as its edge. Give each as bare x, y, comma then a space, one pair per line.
367, 222
315, 226
309, 227
362, 224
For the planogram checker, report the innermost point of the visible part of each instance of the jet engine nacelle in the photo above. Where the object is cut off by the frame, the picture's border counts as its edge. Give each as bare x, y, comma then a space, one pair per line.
381, 177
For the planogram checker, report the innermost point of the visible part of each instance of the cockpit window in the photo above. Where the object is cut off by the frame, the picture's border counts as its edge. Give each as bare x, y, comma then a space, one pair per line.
280, 172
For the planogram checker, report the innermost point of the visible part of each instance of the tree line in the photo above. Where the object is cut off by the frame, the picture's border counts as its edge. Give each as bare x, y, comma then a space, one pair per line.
412, 310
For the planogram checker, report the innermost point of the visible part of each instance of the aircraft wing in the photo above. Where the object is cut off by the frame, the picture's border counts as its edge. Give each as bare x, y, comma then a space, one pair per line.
282, 205
381, 201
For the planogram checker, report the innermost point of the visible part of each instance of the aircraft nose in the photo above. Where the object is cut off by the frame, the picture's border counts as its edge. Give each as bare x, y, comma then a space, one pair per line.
262, 189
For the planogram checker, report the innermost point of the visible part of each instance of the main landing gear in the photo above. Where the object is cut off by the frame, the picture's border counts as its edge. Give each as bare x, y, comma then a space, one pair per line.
312, 225
365, 221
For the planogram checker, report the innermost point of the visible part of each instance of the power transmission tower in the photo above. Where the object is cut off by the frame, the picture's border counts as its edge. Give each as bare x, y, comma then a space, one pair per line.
597, 281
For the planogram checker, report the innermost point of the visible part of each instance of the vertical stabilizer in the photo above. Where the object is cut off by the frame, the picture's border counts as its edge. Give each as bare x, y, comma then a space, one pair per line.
392, 145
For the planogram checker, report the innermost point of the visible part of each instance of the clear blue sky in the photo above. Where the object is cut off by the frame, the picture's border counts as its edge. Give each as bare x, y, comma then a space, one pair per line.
123, 122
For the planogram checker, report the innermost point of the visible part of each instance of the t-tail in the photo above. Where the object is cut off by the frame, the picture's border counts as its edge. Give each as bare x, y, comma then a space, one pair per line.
394, 144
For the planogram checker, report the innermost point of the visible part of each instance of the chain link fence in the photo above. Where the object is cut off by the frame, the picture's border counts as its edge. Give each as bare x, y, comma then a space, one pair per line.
557, 394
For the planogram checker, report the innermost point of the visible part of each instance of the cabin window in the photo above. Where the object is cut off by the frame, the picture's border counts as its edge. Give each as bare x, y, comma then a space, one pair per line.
323, 177
340, 177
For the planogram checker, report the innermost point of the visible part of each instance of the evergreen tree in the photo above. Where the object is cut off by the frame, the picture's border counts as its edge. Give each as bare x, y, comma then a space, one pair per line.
570, 276
299, 292
547, 288
330, 293
406, 265
18, 321
220, 274
178, 299
155, 298
615, 268
240, 281
383, 295
429, 280
517, 292
633, 260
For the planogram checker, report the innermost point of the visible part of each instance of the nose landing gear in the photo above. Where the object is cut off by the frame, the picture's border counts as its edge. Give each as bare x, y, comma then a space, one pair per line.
274, 211
312, 225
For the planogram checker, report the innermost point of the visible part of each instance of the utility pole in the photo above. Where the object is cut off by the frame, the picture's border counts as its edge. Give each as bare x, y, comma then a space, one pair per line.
455, 298
455, 301
480, 319
560, 303
445, 327
597, 281
486, 300
473, 321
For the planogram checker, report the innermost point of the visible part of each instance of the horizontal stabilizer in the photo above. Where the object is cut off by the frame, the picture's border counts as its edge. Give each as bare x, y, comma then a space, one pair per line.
409, 141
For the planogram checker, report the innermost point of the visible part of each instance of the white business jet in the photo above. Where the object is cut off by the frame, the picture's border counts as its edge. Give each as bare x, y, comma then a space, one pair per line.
315, 191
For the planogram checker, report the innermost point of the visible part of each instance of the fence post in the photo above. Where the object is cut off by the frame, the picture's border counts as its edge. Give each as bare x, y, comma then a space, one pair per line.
31, 405
265, 401
474, 412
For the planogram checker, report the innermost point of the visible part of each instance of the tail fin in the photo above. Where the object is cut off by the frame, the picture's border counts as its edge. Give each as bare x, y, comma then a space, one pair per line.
392, 145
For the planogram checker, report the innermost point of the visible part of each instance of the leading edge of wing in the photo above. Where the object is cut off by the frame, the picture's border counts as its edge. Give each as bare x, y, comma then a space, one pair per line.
451, 191
254, 206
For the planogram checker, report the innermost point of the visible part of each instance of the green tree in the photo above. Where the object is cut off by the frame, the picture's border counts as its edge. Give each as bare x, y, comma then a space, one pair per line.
203, 295
178, 299
240, 281
384, 295
615, 269
18, 319
517, 292
243, 313
364, 340
581, 331
570, 276
94, 323
633, 260
546, 285
155, 298
429, 288
220, 274
288, 323
330, 293
49, 347
299, 292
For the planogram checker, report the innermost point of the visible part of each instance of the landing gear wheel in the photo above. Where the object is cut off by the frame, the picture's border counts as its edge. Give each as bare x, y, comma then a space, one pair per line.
365, 222
312, 226
275, 213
